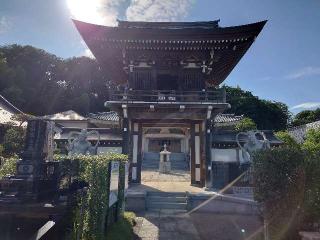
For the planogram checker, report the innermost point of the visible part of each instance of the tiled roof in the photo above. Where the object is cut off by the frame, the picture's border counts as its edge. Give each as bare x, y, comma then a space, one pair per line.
67, 115
227, 118
114, 117
4, 103
7, 110
105, 116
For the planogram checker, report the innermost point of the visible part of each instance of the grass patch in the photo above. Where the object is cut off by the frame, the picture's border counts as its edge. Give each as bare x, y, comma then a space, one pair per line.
123, 229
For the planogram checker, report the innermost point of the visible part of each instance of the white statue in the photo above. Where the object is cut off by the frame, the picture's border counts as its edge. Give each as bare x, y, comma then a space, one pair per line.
78, 143
253, 144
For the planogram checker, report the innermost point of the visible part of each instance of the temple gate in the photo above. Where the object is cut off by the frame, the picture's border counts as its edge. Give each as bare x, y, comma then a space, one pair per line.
167, 75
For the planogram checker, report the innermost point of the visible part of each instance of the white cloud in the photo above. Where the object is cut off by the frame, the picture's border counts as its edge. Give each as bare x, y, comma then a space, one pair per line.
158, 10
106, 12
306, 106
304, 72
5, 24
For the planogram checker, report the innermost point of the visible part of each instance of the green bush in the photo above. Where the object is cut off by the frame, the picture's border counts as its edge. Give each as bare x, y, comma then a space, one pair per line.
8, 166
312, 142
287, 182
1, 150
13, 141
123, 229
95, 171
287, 139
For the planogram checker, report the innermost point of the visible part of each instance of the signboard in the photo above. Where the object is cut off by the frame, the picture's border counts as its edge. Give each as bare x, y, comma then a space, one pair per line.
114, 181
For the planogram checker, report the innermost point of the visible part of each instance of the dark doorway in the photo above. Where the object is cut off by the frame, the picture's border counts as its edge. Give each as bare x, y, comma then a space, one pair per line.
167, 82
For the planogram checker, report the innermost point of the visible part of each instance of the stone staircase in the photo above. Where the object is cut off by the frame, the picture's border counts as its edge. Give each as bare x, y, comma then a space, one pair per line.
151, 161
166, 200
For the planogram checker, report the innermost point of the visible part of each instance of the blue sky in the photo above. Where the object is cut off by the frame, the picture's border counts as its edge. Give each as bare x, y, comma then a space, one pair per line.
282, 65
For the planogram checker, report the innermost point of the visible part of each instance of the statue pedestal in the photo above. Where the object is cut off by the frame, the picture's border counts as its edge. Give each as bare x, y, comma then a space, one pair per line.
165, 164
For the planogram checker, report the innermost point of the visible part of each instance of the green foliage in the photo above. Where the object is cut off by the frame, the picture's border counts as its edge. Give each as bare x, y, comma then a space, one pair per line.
266, 114
245, 124
13, 141
8, 166
274, 171
1, 149
312, 187
305, 117
287, 139
312, 142
287, 181
122, 230
95, 171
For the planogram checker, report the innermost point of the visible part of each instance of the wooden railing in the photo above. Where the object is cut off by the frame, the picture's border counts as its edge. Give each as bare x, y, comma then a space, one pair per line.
210, 96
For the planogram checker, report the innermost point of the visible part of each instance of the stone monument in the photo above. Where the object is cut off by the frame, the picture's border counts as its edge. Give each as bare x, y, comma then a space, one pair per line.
165, 164
78, 143
36, 175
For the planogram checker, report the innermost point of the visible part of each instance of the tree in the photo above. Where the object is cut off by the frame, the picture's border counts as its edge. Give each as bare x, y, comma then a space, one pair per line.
40, 83
13, 141
307, 116
246, 124
266, 114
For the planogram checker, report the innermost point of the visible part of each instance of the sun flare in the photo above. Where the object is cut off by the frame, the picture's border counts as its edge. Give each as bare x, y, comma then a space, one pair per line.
86, 10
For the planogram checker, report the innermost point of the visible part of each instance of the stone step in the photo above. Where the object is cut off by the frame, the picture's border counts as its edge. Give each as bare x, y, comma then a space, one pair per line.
177, 165
157, 160
167, 199
166, 205
172, 164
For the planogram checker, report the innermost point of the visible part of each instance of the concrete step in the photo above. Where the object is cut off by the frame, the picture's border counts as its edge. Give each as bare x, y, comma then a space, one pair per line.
166, 194
166, 205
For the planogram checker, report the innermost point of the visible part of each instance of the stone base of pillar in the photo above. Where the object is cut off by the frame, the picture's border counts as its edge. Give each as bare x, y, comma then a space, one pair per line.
164, 167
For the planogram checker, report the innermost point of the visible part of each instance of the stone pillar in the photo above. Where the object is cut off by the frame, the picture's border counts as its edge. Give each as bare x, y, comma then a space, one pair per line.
208, 170
192, 155
125, 131
195, 154
136, 152
197, 150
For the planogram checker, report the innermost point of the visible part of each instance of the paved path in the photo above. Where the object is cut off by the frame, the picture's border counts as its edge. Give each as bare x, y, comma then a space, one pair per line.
165, 225
175, 181
173, 176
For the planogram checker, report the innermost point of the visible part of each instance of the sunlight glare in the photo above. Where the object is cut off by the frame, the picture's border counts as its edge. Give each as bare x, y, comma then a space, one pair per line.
86, 10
